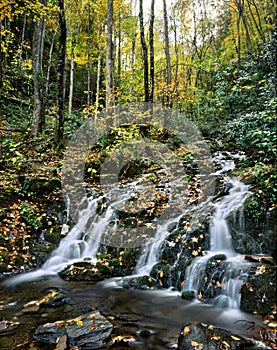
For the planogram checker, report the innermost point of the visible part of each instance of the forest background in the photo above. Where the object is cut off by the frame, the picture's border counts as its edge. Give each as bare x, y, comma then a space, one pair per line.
64, 61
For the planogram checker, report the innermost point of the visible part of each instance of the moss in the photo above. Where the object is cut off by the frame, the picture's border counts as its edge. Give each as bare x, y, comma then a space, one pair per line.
258, 294
104, 269
18, 261
188, 295
53, 235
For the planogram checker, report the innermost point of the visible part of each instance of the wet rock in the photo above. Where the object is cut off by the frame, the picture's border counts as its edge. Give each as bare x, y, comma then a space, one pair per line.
258, 294
53, 299
188, 294
7, 327
39, 185
86, 271
210, 285
90, 330
142, 282
245, 244
162, 273
198, 336
31, 307
173, 245
254, 229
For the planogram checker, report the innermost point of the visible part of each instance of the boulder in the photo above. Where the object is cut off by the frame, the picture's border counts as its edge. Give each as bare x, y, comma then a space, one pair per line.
258, 294
198, 336
188, 294
141, 282
90, 330
86, 271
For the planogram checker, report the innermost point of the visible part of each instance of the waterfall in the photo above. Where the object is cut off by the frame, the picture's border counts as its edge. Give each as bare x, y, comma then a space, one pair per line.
97, 222
229, 271
152, 251
221, 240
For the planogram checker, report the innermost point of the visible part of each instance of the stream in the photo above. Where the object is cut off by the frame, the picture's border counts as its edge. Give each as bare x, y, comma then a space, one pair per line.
153, 317
160, 313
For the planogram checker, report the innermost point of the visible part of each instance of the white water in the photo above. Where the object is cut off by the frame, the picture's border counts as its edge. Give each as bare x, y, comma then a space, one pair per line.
83, 240
152, 251
221, 243
221, 240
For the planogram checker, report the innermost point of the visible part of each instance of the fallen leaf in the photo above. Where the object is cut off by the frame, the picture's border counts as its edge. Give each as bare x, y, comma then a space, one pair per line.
215, 336
186, 330
235, 338
224, 345
193, 343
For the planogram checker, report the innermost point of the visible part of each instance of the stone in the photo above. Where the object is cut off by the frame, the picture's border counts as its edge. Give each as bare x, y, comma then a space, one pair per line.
198, 336
8, 326
142, 282
258, 294
188, 294
91, 330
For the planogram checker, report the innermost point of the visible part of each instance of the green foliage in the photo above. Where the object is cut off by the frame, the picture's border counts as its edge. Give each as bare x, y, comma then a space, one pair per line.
11, 156
28, 214
254, 133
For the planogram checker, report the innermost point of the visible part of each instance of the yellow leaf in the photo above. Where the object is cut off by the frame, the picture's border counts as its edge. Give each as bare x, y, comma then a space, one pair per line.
79, 323
161, 274
235, 338
186, 330
224, 345
215, 336
60, 323
193, 343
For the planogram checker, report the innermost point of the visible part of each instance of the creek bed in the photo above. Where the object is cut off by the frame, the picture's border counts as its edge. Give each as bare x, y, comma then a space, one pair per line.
152, 318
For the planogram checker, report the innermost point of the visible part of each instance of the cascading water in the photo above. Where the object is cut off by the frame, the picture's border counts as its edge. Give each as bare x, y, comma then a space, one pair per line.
220, 273
151, 254
223, 282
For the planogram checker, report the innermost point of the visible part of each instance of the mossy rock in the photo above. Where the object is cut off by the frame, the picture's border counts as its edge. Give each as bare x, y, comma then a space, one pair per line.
4, 261
53, 235
105, 270
258, 294
162, 272
142, 282
86, 271
39, 185
188, 294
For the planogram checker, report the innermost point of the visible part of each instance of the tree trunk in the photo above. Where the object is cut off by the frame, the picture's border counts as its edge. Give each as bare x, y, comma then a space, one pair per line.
119, 53
240, 5
61, 73
71, 76
89, 61
109, 56
22, 39
1, 58
151, 46
98, 72
38, 120
167, 54
145, 53
49, 64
